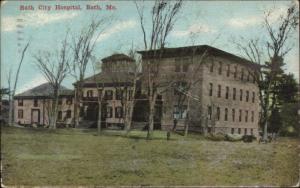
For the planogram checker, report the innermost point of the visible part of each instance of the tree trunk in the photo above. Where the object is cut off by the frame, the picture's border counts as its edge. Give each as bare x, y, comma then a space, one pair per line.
99, 118
151, 118
11, 111
186, 122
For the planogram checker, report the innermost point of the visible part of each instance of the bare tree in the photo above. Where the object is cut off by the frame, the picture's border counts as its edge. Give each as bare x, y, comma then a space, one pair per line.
276, 47
163, 17
83, 46
54, 67
12, 91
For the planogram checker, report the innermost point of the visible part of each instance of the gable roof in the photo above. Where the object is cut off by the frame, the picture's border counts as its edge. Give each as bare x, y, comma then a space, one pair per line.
116, 57
44, 91
195, 50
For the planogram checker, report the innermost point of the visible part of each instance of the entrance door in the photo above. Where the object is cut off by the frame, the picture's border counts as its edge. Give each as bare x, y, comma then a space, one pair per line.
35, 116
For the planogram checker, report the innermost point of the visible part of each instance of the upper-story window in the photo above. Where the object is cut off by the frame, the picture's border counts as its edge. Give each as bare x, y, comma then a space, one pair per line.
219, 90
35, 103
227, 92
218, 113
235, 72
246, 116
119, 94
220, 68
89, 93
247, 96
253, 97
242, 74
108, 95
240, 115
60, 101
241, 94
234, 93
211, 68
181, 65
248, 77
233, 115
226, 114
180, 88
210, 89
252, 116
20, 102
228, 70
69, 101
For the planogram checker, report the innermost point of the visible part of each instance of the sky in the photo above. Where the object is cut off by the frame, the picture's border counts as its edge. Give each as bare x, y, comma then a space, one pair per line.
214, 23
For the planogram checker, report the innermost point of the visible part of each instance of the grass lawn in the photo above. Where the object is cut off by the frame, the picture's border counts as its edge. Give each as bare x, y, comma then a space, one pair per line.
76, 157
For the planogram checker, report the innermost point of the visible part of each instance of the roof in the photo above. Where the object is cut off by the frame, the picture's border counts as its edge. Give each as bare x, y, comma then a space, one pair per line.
117, 57
190, 50
44, 90
109, 78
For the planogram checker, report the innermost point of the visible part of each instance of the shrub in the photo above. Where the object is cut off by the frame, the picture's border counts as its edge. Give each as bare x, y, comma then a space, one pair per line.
249, 138
216, 137
233, 137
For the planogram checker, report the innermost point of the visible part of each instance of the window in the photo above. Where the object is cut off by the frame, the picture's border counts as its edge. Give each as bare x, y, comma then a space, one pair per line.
59, 115
246, 116
226, 114
245, 131
252, 116
235, 71
69, 101
232, 130
209, 112
241, 94
253, 97
108, 94
60, 101
69, 114
251, 131
180, 87
210, 89
248, 77
219, 90
233, 115
218, 113
227, 92
239, 130
20, 102
234, 94
35, 103
220, 68
89, 93
228, 70
20, 114
181, 65
179, 112
119, 94
240, 115
211, 68
242, 75
247, 96
109, 112
119, 112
